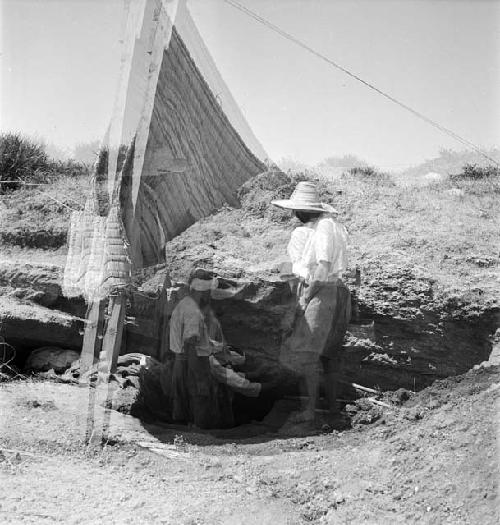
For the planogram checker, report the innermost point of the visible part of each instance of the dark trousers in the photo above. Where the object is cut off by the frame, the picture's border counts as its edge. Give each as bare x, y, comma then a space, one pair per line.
196, 395
315, 344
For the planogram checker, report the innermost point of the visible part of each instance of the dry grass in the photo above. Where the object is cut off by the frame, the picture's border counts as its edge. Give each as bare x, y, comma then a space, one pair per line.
38, 216
21, 158
37, 193
425, 221
449, 229
25, 160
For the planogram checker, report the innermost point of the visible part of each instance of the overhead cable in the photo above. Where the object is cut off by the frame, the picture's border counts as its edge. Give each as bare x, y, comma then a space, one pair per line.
319, 55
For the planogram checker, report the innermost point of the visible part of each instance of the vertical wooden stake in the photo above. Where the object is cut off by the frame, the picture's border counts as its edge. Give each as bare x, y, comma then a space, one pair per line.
101, 395
91, 341
112, 341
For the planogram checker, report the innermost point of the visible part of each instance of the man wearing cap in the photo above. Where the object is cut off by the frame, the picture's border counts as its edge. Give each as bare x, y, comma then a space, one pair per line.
318, 252
202, 377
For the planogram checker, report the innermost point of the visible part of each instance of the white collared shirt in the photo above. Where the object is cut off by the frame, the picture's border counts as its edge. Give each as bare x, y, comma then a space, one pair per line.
322, 240
188, 321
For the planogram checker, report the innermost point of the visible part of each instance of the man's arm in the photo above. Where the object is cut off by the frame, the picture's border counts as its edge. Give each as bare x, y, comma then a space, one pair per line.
233, 380
323, 250
320, 275
236, 358
189, 346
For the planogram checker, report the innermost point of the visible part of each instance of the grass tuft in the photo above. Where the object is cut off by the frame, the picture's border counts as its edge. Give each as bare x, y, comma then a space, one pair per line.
25, 161
21, 159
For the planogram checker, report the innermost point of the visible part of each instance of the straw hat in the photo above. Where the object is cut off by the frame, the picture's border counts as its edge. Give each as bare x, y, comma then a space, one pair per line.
305, 197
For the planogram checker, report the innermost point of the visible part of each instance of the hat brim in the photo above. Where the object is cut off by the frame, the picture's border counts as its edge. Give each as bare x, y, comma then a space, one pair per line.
288, 204
220, 294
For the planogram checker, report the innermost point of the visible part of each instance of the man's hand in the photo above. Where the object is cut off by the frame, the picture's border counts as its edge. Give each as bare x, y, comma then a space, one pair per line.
217, 346
321, 272
320, 276
311, 290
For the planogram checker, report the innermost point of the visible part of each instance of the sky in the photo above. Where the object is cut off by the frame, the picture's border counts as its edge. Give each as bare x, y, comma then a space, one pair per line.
60, 62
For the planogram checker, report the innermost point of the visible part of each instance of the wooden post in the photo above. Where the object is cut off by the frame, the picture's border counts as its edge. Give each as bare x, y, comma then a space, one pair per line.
92, 341
113, 335
92, 336
100, 396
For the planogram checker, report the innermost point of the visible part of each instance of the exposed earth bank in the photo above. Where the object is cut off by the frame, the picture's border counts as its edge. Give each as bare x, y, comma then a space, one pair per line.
416, 319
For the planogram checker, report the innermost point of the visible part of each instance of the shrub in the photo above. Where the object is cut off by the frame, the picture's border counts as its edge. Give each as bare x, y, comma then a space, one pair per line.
21, 159
257, 193
24, 160
364, 171
69, 168
475, 172
368, 173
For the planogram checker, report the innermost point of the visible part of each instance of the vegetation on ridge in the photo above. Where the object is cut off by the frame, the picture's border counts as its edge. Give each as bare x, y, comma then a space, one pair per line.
449, 226
25, 161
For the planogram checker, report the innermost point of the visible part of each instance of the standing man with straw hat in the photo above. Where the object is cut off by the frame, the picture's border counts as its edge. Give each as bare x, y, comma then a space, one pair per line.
318, 252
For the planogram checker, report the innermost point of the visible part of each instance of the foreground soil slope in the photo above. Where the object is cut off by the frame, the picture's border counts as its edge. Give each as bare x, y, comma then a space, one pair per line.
433, 460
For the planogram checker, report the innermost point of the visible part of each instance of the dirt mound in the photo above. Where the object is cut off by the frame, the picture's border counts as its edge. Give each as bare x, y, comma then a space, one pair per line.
256, 194
31, 282
236, 240
241, 241
455, 389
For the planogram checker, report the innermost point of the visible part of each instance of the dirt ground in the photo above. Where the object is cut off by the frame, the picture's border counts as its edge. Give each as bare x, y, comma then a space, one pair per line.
432, 460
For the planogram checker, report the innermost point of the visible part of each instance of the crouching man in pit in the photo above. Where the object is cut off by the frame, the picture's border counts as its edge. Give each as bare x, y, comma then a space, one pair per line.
203, 380
318, 252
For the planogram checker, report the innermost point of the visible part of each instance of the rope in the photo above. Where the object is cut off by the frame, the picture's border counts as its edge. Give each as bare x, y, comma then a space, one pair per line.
414, 112
60, 202
3, 358
19, 181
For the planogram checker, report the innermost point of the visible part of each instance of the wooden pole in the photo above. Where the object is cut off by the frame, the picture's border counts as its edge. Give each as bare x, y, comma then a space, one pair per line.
99, 412
92, 336
113, 335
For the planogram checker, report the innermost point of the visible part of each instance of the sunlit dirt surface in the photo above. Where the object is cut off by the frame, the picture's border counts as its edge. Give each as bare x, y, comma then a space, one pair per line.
432, 460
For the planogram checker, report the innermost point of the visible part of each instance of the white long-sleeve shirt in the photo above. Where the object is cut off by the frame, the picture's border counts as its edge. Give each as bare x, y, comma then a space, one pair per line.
322, 240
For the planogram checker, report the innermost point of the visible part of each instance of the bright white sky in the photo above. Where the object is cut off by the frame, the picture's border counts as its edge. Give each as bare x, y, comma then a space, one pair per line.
60, 63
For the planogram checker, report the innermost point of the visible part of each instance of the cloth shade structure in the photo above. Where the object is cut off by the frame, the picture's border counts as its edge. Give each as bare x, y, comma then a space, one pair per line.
116, 261
98, 262
70, 285
84, 262
177, 148
94, 275
192, 147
